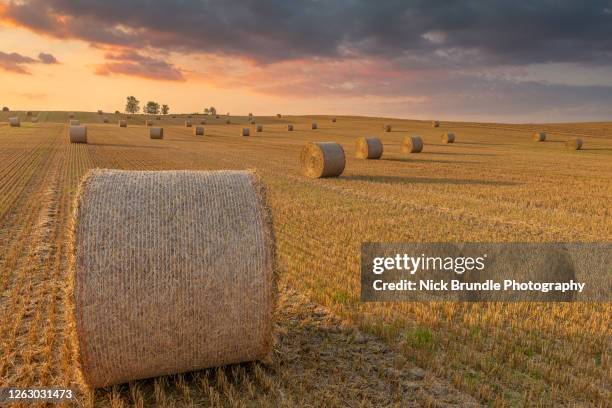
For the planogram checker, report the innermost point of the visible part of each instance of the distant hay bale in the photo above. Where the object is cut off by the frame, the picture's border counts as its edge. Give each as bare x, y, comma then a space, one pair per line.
448, 138
574, 144
198, 130
78, 134
228, 121
203, 122
148, 123
260, 128
71, 115
539, 136
189, 116
122, 123
185, 280
217, 117
156, 133
105, 120
253, 122
246, 132
278, 115
313, 126
322, 159
334, 120
387, 128
14, 121
173, 116
368, 148
435, 123
100, 112
74, 122
187, 123
412, 144
290, 128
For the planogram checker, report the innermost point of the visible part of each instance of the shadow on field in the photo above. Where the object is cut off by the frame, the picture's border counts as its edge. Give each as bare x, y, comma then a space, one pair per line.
127, 145
426, 180
411, 160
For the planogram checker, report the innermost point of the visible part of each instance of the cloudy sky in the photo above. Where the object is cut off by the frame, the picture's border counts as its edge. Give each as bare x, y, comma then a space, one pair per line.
489, 60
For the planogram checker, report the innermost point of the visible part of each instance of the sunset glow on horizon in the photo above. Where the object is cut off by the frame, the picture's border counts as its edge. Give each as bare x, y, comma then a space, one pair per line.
501, 62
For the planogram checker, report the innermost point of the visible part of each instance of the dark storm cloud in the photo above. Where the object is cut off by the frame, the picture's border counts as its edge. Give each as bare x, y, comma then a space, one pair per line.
14, 62
134, 64
494, 31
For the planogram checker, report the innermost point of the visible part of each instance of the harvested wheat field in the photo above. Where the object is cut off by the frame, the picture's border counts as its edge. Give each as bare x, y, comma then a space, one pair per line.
494, 184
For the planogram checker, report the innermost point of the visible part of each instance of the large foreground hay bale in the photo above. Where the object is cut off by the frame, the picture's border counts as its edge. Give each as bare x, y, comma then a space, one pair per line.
246, 132
448, 138
290, 128
198, 130
15, 121
187, 123
368, 148
322, 159
75, 122
156, 133
313, 126
539, 136
122, 123
387, 128
574, 144
260, 128
78, 134
173, 271
412, 144
435, 123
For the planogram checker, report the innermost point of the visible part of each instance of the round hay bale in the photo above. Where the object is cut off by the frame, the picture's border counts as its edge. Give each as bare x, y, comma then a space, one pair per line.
246, 132
313, 126
77, 134
574, 144
368, 148
448, 138
539, 136
74, 122
435, 123
387, 128
322, 159
227, 121
278, 115
148, 123
253, 122
185, 279
198, 130
217, 117
122, 123
156, 133
15, 121
71, 115
100, 112
187, 123
105, 120
334, 120
203, 122
412, 144
260, 128
290, 128
173, 116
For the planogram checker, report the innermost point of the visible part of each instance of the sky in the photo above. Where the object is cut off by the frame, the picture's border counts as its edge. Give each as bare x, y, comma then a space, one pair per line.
474, 60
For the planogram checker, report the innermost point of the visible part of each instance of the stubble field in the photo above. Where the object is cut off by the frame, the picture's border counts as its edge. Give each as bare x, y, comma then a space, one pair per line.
493, 185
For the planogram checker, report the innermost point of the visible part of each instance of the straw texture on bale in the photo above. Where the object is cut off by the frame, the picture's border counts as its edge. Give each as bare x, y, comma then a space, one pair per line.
198, 130
122, 123
435, 123
156, 133
322, 159
187, 123
313, 126
78, 134
387, 128
368, 148
574, 144
75, 122
290, 128
15, 121
539, 136
260, 128
246, 132
185, 278
448, 138
412, 144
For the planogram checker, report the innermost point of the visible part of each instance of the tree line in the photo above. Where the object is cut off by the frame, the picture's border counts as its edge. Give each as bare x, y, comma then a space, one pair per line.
132, 106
